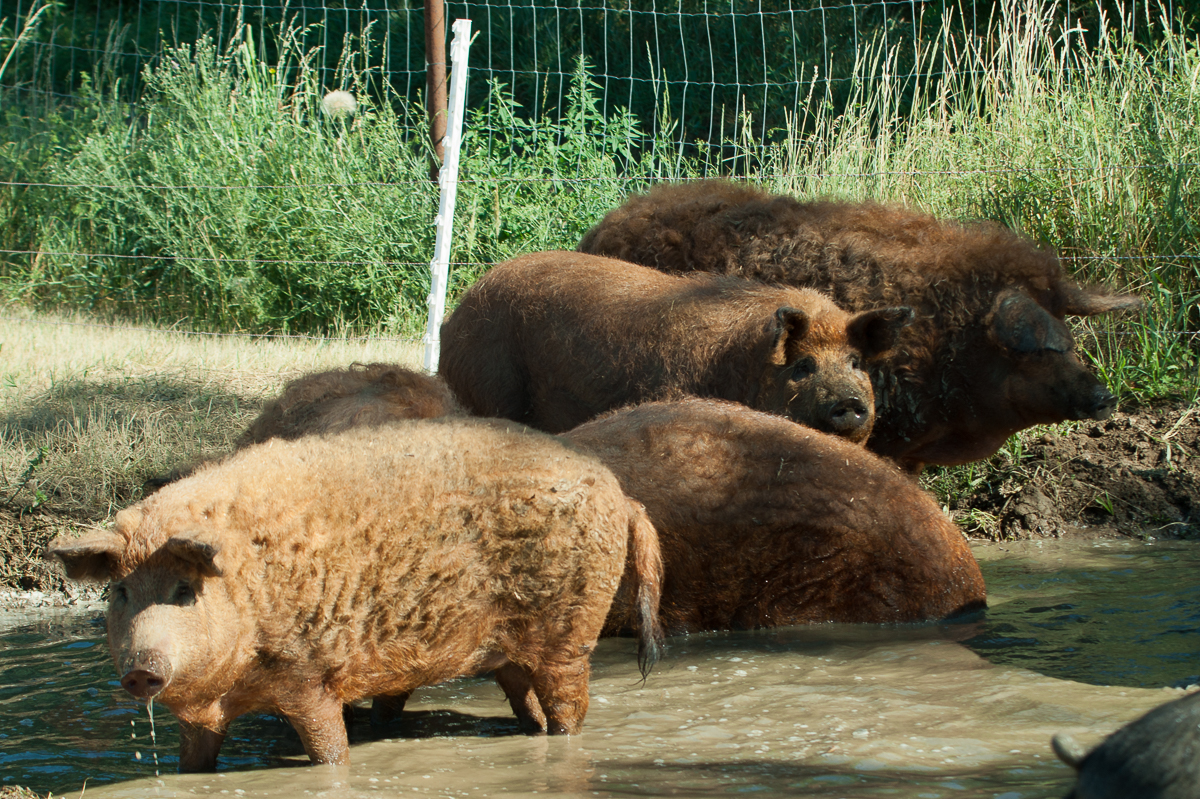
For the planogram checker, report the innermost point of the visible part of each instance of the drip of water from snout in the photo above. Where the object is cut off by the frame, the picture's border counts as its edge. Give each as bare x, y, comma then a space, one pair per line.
137, 755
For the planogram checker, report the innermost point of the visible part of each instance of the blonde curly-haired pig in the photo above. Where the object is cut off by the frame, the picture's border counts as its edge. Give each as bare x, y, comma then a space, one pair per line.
297, 576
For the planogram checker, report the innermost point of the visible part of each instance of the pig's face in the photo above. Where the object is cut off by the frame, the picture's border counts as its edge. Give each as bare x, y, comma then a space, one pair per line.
1038, 378
1023, 371
818, 372
172, 627
169, 628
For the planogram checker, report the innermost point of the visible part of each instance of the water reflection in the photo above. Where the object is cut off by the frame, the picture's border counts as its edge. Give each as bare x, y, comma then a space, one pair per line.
962, 710
1109, 613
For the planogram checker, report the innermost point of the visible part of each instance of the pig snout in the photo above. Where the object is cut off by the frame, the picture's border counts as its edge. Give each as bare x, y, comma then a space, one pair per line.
1098, 404
849, 415
146, 674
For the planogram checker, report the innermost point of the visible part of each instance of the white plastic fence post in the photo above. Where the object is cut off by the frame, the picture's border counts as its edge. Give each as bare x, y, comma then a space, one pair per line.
448, 182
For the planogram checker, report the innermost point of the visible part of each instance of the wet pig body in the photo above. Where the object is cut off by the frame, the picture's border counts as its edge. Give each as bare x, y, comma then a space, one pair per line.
295, 577
765, 523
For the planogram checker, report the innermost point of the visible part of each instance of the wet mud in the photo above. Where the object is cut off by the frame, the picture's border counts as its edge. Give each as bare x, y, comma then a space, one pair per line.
1136, 474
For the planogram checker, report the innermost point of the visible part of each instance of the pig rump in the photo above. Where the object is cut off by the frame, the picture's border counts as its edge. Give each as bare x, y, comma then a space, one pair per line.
338, 399
295, 577
553, 339
988, 353
764, 523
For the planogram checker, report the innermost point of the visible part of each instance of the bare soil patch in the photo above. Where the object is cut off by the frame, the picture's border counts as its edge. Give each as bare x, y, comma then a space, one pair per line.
1135, 474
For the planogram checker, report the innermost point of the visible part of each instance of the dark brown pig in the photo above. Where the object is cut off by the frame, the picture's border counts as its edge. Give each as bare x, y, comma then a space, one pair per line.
988, 353
1154, 757
297, 576
763, 522
553, 339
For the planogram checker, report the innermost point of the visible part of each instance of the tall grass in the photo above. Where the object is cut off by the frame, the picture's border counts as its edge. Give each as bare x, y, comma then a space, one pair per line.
228, 198
225, 199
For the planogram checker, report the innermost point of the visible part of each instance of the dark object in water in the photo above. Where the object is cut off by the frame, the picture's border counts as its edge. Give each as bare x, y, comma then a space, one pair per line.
1154, 757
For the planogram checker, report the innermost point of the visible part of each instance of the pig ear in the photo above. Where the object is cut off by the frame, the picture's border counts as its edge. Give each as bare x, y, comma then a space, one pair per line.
1083, 301
193, 548
1020, 325
876, 331
791, 326
90, 557
1068, 750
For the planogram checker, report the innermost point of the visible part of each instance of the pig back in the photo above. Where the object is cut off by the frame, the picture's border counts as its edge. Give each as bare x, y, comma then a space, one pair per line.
763, 522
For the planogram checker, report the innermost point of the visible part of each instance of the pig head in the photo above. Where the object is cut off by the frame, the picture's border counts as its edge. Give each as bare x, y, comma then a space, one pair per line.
1020, 369
173, 631
817, 371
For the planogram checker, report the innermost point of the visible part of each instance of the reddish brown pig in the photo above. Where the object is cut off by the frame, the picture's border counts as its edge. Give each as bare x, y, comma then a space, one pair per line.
338, 399
553, 339
763, 522
988, 353
295, 577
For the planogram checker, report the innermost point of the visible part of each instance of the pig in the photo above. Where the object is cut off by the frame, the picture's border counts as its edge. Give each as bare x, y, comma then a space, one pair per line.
763, 522
336, 400
988, 353
297, 576
1154, 757
553, 339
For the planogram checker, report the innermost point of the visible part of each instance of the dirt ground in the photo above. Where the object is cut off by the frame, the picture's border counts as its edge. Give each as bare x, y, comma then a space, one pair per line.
1134, 474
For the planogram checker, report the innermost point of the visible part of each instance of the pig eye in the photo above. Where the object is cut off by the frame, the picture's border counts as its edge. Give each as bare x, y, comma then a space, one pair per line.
856, 362
117, 593
805, 367
184, 594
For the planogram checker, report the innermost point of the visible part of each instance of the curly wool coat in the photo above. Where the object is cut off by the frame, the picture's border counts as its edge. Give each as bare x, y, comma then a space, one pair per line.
987, 353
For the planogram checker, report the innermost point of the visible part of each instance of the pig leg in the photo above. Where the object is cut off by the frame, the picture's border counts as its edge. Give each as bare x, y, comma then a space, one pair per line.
198, 747
562, 688
515, 682
386, 709
321, 729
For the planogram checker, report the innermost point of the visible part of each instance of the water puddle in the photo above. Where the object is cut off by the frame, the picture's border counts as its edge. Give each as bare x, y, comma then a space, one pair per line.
1079, 639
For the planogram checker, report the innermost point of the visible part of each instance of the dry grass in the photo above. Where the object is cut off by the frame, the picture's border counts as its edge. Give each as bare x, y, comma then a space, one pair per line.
90, 411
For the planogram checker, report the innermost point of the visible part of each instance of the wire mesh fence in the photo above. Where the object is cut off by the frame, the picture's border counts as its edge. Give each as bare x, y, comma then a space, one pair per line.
171, 159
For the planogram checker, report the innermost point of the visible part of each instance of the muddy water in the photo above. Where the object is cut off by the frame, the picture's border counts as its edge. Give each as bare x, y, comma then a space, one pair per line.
1078, 638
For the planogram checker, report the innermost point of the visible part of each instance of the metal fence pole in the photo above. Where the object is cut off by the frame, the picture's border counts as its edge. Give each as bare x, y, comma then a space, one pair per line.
448, 180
